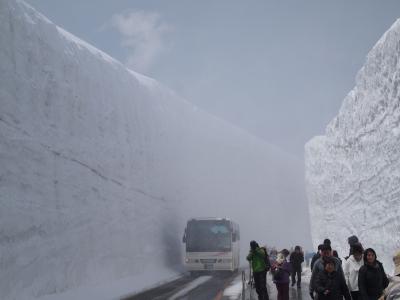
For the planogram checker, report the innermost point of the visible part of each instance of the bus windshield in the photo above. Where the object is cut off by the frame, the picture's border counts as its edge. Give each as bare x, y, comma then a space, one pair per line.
208, 236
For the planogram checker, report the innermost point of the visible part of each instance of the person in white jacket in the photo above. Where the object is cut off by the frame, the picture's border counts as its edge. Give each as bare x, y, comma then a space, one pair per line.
350, 269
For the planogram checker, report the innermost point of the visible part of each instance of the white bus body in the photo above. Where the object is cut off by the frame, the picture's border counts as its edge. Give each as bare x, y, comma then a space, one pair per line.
211, 244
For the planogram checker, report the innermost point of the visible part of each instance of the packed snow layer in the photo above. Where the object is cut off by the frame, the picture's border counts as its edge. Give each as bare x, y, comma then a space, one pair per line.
353, 172
101, 167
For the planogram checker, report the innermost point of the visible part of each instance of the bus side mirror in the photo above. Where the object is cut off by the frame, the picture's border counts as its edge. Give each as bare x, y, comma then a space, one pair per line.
184, 237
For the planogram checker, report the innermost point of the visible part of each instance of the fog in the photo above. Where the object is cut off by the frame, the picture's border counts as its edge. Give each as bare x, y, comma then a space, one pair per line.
277, 70
103, 166
280, 70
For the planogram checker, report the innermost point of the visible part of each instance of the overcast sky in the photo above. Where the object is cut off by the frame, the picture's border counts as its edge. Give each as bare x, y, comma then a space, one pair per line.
278, 69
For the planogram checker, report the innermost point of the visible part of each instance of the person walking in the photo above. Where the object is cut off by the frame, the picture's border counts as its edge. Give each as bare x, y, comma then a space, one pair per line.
296, 259
329, 284
351, 268
281, 271
257, 258
316, 256
326, 252
372, 279
392, 292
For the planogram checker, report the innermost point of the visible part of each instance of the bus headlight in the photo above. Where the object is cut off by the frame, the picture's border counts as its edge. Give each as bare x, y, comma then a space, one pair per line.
191, 260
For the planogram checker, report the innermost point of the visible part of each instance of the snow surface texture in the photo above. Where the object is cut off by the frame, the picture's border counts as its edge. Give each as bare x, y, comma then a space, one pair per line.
101, 167
353, 172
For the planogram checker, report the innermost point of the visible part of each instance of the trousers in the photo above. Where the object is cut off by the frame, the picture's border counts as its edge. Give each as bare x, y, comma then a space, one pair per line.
260, 281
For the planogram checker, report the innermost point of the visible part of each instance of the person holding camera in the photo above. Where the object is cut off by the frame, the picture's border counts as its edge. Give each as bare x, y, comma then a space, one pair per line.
258, 260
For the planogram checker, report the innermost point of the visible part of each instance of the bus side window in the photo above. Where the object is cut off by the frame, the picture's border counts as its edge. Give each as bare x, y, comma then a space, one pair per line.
235, 236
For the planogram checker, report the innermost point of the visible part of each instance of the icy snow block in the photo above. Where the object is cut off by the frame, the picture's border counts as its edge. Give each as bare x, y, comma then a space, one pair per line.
101, 167
353, 171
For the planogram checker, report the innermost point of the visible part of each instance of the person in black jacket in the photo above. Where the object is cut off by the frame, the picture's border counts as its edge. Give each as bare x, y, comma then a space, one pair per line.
316, 256
329, 284
296, 259
372, 279
326, 253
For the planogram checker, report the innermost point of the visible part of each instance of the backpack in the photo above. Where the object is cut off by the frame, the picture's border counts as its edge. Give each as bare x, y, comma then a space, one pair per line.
277, 274
266, 260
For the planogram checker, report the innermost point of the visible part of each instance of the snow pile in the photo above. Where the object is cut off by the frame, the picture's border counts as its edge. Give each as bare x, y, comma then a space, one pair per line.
235, 289
353, 172
101, 167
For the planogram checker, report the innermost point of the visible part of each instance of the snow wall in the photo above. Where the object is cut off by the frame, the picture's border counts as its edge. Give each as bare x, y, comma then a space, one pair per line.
101, 167
353, 172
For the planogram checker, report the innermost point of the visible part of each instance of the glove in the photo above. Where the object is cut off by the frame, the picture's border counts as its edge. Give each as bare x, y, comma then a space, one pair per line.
312, 295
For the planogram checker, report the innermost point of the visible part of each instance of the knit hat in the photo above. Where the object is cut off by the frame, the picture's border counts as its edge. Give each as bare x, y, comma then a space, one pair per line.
285, 252
396, 260
357, 248
352, 240
326, 247
253, 245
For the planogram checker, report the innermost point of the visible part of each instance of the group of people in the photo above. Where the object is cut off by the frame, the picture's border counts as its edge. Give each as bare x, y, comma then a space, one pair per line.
279, 266
360, 276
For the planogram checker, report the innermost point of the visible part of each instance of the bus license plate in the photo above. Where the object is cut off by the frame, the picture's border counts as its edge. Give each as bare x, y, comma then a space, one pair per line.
208, 266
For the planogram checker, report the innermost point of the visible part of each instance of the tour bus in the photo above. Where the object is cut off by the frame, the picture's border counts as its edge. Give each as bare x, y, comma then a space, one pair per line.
211, 244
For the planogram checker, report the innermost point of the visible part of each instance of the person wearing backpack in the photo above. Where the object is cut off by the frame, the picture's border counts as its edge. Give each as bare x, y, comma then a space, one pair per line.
266, 259
257, 257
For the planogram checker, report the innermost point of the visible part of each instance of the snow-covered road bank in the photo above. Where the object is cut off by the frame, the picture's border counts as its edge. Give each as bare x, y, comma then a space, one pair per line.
353, 171
101, 167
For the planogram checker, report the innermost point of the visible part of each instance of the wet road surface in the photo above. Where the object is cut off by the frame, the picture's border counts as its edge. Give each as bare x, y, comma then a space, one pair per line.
294, 292
210, 287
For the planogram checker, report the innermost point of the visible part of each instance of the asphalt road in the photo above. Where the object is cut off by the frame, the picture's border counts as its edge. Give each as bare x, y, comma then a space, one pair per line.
212, 289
